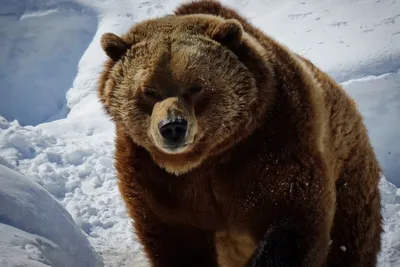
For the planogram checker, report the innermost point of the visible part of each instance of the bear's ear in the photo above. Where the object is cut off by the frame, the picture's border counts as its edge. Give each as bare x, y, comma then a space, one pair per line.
228, 33
114, 46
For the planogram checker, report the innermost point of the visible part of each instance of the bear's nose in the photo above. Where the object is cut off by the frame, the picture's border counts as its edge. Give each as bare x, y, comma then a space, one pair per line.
173, 130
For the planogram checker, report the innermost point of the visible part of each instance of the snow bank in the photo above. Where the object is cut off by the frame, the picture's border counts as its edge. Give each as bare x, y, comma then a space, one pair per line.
41, 43
78, 170
349, 40
33, 225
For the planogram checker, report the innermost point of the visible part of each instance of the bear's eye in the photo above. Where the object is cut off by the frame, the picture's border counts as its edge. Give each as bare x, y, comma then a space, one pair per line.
151, 94
195, 89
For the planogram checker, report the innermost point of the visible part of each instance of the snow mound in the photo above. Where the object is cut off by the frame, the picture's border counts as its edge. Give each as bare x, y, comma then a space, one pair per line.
41, 44
78, 170
349, 40
36, 229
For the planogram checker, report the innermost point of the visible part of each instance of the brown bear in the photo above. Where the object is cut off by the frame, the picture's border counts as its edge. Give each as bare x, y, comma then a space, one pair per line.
231, 150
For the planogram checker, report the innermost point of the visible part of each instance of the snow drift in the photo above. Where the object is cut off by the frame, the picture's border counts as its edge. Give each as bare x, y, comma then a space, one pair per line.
41, 44
34, 226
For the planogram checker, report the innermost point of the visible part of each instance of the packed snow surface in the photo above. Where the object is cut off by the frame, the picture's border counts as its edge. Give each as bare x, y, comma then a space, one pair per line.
41, 44
37, 228
55, 133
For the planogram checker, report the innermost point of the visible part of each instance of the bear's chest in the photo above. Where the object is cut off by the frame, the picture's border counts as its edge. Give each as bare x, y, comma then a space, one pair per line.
208, 199
184, 200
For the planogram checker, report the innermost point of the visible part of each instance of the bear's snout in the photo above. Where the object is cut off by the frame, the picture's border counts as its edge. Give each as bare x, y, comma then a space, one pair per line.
173, 130
173, 126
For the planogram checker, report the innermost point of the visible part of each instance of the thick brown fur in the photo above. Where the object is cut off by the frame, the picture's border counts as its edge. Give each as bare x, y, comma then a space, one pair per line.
278, 169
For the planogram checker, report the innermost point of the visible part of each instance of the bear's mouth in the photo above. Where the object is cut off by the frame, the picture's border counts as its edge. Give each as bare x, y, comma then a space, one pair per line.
175, 148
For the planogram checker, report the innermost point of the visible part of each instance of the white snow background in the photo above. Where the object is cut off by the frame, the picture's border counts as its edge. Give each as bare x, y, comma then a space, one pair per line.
55, 134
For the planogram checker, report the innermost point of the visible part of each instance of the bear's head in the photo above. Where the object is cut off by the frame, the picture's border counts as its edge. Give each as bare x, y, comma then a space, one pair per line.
185, 87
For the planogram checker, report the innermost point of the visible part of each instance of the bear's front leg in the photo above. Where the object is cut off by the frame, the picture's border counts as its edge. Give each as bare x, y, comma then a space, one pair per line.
175, 245
300, 235
292, 244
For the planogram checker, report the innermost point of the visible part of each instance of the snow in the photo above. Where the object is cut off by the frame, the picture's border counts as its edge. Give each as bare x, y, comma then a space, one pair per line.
35, 228
349, 40
54, 132
36, 35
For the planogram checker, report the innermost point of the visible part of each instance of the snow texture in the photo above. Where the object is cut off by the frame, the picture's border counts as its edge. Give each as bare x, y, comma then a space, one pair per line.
35, 227
55, 133
41, 43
